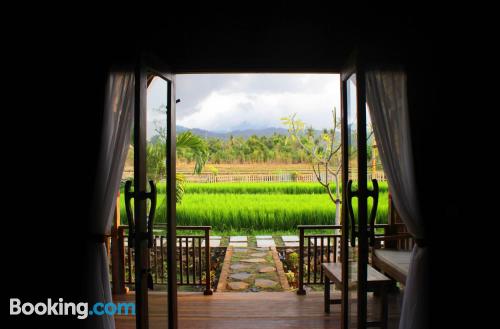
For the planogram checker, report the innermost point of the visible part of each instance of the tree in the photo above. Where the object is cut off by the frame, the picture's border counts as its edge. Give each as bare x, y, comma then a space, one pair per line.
324, 153
196, 146
185, 142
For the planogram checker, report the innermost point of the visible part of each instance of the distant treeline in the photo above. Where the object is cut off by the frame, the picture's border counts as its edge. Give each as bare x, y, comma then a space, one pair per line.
275, 148
254, 149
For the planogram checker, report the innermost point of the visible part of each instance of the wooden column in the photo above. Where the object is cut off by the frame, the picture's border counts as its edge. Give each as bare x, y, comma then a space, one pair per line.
171, 211
118, 252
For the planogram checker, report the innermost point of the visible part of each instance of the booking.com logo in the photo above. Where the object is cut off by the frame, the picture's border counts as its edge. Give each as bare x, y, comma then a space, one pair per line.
81, 310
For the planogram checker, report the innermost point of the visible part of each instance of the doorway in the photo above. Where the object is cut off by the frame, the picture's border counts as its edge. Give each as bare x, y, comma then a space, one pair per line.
171, 191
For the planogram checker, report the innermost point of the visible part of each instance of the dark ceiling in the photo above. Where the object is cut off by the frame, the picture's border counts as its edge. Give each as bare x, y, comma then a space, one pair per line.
269, 41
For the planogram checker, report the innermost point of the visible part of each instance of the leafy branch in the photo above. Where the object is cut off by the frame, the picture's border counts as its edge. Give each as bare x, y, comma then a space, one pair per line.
324, 151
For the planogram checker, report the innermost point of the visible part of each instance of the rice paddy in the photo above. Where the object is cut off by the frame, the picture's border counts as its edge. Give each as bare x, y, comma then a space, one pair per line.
256, 208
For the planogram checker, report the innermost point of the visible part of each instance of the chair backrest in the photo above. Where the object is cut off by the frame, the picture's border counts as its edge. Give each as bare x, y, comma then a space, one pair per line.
373, 214
396, 234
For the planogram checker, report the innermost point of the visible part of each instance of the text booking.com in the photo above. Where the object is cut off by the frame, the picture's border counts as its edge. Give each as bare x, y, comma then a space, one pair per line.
80, 310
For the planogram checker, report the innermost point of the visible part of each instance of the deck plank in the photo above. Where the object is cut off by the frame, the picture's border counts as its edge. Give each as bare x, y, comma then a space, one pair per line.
261, 310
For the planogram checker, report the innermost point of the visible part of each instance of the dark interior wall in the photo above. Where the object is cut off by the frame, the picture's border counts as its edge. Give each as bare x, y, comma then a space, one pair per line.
55, 100
51, 117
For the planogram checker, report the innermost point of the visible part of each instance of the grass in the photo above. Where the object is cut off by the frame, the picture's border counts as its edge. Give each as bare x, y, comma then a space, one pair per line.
258, 188
264, 213
255, 188
256, 208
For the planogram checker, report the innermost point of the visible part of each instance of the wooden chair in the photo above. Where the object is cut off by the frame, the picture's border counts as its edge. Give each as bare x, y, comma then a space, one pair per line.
391, 252
375, 282
391, 261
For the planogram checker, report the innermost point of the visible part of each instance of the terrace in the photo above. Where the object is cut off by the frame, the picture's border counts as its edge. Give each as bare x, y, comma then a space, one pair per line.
292, 305
266, 310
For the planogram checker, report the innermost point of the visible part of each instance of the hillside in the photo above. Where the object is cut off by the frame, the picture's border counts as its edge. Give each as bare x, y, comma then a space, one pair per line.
245, 133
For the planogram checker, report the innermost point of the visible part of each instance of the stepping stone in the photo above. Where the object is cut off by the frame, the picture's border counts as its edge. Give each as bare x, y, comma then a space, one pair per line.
240, 276
290, 238
238, 239
263, 237
292, 244
238, 244
239, 267
265, 243
267, 269
213, 243
253, 260
240, 250
265, 283
259, 254
215, 237
238, 285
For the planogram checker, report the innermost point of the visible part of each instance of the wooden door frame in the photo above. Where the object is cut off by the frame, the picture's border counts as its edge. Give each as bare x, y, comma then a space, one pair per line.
140, 205
362, 199
146, 67
140, 130
345, 214
354, 66
171, 208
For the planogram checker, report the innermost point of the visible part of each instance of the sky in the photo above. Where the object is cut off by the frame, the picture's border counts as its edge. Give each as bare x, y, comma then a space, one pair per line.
226, 102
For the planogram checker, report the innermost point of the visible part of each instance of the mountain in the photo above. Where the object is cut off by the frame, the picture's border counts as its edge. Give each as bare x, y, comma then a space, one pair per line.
245, 133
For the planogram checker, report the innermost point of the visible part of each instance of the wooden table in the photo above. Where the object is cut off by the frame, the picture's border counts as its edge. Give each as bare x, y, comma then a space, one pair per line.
376, 282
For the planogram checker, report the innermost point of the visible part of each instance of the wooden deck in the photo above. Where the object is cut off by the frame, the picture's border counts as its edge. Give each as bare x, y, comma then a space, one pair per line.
263, 310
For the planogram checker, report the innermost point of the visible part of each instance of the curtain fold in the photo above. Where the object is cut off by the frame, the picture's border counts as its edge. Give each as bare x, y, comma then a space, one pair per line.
386, 92
115, 141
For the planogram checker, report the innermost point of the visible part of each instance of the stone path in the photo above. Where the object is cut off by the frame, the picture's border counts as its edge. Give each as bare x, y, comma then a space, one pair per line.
259, 241
252, 269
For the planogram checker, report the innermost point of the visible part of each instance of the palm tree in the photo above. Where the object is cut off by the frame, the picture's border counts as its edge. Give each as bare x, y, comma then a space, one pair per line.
199, 149
196, 146
185, 142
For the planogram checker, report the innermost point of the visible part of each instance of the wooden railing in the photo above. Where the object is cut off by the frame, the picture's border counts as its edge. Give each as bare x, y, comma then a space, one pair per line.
315, 249
191, 272
193, 257
315, 253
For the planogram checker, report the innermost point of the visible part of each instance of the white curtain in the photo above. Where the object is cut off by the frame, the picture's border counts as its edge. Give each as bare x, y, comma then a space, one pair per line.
115, 141
386, 92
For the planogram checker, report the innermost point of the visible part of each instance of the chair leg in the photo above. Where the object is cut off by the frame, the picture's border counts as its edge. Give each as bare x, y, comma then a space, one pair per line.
383, 308
327, 295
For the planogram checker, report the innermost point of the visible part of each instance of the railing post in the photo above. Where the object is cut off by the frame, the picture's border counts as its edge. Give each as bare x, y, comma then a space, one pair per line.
301, 290
208, 290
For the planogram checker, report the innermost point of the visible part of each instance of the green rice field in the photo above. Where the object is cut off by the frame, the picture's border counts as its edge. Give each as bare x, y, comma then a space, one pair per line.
255, 208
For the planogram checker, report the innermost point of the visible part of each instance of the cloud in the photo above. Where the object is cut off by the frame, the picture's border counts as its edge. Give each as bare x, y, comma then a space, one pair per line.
224, 102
